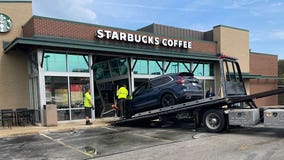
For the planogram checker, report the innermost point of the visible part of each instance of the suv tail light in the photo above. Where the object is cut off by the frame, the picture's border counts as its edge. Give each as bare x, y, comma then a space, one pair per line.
180, 80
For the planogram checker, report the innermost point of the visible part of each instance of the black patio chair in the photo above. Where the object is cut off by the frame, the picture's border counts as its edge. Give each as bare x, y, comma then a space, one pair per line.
7, 117
22, 116
32, 116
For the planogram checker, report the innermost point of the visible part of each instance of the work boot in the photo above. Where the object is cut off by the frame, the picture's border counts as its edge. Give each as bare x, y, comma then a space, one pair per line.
88, 122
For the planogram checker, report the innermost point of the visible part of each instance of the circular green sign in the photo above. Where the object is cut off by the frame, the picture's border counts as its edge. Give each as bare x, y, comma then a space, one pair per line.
5, 23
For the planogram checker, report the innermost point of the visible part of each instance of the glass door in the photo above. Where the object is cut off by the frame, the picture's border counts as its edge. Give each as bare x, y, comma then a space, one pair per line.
78, 86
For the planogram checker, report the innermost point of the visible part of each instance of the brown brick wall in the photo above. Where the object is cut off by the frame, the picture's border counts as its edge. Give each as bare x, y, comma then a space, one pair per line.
261, 85
28, 28
81, 31
265, 65
281, 99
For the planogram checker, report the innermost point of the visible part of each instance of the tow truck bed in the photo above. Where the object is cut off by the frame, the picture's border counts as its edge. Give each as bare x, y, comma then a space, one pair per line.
154, 114
197, 104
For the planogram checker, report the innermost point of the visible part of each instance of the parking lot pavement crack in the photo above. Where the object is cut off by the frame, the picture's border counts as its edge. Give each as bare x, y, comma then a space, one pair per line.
65, 145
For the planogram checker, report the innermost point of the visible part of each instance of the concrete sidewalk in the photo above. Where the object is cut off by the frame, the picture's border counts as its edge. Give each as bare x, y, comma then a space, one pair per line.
62, 126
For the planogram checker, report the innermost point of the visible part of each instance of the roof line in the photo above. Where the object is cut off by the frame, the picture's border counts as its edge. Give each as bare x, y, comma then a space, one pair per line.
91, 45
266, 54
231, 27
121, 29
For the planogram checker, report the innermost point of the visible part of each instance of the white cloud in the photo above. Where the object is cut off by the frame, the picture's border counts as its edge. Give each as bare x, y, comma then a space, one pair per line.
255, 7
240, 4
198, 5
75, 10
262, 36
277, 4
127, 5
277, 35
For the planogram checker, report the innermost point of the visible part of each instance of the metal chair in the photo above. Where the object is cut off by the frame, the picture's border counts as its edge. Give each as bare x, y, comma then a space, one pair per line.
7, 116
22, 116
32, 116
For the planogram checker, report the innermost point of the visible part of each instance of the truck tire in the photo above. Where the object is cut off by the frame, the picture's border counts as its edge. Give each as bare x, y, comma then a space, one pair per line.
214, 120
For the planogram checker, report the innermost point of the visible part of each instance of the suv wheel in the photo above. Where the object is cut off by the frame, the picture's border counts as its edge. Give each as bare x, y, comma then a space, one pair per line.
168, 100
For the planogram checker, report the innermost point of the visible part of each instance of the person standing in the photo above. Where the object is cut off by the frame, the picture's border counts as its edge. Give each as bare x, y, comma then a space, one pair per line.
210, 93
88, 104
122, 94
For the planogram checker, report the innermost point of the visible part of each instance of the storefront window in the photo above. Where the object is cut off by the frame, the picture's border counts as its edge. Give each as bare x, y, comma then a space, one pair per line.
184, 67
78, 86
56, 92
55, 62
67, 97
209, 84
114, 65
208, 69
141, 67
118, 67
123, 67
78, 63
101, 70
155, 67
199, 70
172, 67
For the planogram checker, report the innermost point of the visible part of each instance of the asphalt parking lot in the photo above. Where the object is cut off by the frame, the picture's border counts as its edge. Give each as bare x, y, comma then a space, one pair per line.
146, 142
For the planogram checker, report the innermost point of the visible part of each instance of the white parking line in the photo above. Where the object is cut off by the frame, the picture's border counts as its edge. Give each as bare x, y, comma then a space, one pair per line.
66, 145
112, 129
141, 135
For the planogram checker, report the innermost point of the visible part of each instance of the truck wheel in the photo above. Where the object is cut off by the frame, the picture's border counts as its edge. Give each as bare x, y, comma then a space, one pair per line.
214, 120
168, 100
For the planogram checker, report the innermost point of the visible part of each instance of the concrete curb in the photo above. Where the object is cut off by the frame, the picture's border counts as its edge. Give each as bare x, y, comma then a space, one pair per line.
61, 127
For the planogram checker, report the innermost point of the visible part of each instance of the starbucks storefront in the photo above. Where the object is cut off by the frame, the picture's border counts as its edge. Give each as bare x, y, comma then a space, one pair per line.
59, 59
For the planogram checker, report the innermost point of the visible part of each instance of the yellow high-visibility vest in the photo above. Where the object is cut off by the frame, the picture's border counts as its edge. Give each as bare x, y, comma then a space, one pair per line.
122, 92
87, 98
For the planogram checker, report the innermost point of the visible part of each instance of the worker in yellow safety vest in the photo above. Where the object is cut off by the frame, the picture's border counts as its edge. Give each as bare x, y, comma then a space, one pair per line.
122, 94
88, 104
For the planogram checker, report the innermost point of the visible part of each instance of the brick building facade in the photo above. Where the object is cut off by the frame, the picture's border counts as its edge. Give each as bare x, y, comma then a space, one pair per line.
36, 56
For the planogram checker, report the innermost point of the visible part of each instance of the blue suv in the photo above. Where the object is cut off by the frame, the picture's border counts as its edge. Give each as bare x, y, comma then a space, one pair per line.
165, 91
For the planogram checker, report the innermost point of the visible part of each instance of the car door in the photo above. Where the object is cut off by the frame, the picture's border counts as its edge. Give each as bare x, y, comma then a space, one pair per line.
144, 97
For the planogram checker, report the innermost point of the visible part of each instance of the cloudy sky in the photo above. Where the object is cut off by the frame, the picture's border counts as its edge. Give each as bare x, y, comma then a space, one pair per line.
263, 18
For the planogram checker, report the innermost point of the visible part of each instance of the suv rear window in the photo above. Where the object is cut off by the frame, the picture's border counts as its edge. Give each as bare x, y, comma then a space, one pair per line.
160, 81
186, 74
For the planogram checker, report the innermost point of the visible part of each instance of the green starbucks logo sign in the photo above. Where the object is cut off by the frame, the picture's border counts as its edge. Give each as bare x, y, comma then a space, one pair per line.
5, 23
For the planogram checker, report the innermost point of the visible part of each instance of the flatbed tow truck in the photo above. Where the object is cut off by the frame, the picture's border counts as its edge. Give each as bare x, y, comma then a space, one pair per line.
217, 113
